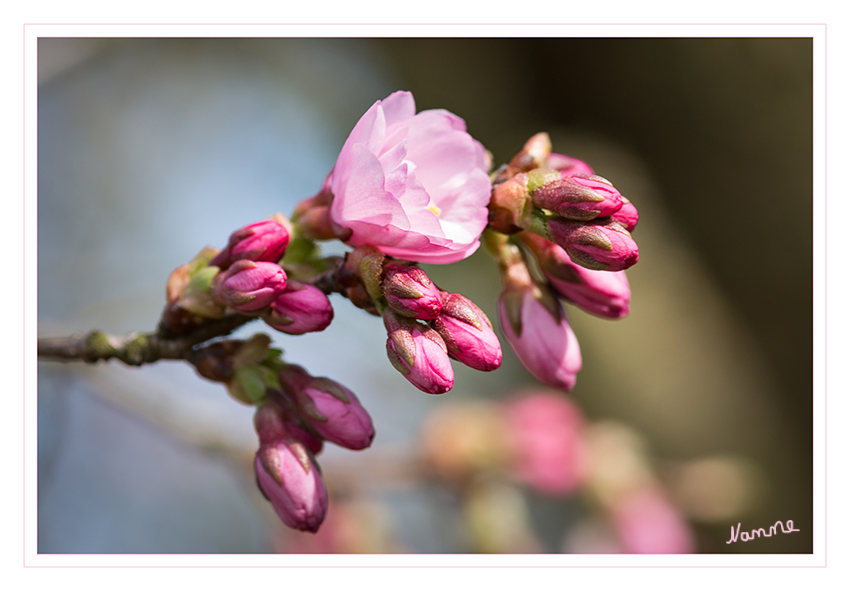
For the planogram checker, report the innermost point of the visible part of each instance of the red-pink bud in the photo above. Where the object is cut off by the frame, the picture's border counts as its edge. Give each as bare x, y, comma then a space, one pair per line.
299, 309
627, 216
261, 241
468, 334
247, 286
410, 292
603, 293
538, 332
567, 164
579, 197
599, 246
545, 432
287, 475
331, 409
418, 353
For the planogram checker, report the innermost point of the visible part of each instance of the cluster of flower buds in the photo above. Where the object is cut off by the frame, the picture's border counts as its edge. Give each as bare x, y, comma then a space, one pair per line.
296, 413
569, 240
246, 277
559, 198
426, 326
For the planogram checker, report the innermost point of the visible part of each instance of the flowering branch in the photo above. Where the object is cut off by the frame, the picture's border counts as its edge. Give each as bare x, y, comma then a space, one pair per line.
407, 188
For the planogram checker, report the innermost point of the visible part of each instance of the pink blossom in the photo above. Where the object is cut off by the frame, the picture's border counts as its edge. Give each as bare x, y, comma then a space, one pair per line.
413, 185
537, 329
468, 334
418, 353
299, 309
545, 429
410, 292
603, 293
287, 475
599, 246
247, 286
332, 410
261, 241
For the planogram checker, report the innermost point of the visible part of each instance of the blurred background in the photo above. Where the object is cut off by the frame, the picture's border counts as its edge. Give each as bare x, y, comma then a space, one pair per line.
150, 149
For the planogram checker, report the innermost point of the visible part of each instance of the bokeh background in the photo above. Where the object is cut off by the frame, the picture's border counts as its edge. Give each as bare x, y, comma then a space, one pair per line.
150, 149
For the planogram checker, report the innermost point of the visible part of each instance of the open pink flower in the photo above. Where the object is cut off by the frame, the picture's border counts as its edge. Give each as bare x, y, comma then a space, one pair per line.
413, 185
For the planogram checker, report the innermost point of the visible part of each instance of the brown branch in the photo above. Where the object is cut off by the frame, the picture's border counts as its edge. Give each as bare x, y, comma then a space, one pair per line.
178, 332
136, 348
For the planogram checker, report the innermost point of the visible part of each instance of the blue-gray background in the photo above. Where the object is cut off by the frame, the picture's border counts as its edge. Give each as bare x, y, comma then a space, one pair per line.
150, 149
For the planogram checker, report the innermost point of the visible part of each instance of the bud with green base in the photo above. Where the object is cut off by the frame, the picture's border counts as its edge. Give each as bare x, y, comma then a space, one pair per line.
287, 474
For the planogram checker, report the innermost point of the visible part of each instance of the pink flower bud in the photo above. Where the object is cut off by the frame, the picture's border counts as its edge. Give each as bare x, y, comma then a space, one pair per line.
603, 293
287, 475
567, 164
579, 197
545, 431
331, 409
537, 329
299, 309
598, 246
627, 216
261, 241
468, 334
410, 292
418, 353
247, 286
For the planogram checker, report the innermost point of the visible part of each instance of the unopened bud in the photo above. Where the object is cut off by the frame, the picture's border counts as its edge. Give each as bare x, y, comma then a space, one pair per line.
410, 292
537, 330
510, 205
299, 309
598, 246
287, 474
468, 334
331, 409
603, 293
249, 286
579, 197
418, 353
534, 153
261, 241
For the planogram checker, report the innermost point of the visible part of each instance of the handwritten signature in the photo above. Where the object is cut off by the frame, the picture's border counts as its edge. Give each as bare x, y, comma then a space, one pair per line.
757, 533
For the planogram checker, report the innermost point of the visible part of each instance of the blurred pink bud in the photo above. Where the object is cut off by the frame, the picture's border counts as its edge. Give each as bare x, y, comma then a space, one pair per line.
567, 164
287, 475
418, 353
261, 241
410, 292
603, 293
538, 332
332, 410
468, 333
299, 309
248, 286
545, 429
413, 185
649, 524
627, 216
597, 246
579, 197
